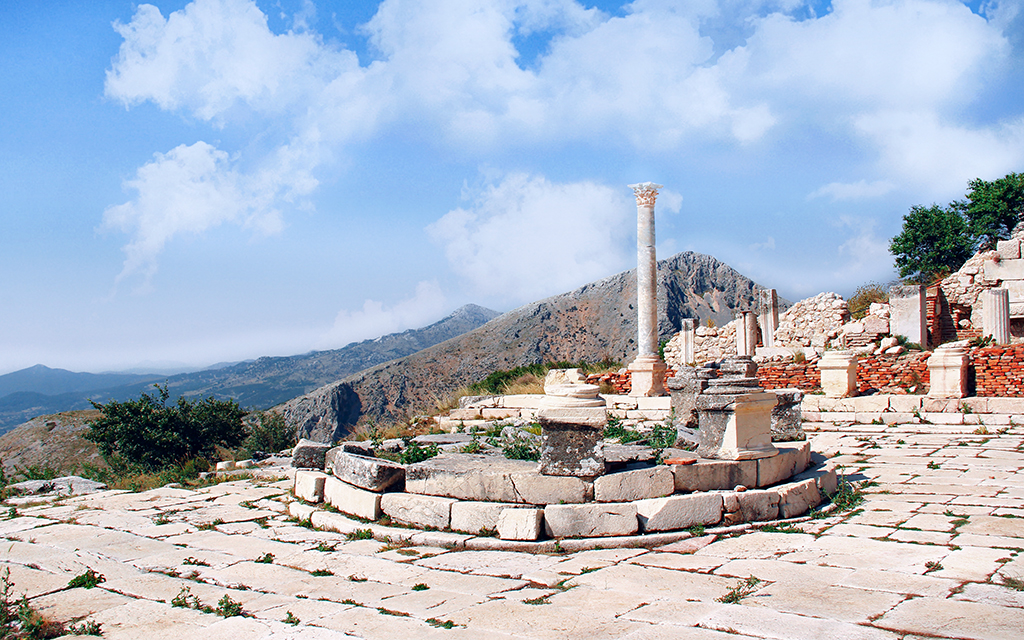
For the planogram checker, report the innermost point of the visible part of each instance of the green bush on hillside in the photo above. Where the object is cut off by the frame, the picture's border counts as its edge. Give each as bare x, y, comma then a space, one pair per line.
149, 435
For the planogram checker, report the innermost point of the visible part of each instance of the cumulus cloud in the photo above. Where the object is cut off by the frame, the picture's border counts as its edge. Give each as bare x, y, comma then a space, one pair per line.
527, 237
895, 76
853, 191
374, 319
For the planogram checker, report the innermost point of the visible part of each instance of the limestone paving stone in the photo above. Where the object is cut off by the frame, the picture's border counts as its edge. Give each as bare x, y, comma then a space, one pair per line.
500, 564
655, 583
590, 520
761, 545
953, 618
825, 601
679, 561
970, 563
761, 622
636, 484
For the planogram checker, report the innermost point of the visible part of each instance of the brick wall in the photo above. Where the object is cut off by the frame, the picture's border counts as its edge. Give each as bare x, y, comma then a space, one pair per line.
802, 375
622, 382
999, 371
906, 371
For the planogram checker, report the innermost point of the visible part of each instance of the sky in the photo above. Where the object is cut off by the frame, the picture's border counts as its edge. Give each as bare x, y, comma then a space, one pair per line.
188, 183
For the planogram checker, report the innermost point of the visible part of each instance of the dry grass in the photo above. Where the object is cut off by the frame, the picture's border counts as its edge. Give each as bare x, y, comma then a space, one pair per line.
528, 383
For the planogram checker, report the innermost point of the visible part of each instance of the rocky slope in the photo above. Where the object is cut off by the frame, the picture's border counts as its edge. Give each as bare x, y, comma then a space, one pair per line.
258, 384
594, 322
50, 442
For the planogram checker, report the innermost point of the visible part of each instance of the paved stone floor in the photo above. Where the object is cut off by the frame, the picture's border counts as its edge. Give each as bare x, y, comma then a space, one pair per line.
926, 555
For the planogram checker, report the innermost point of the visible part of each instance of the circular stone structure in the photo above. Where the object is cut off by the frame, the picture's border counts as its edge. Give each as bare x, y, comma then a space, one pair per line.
487, 495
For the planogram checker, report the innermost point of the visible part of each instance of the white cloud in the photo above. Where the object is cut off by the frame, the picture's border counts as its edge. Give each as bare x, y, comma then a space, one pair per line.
852, 191
527, 238
375, 320
767, 245
941, 158
193, 188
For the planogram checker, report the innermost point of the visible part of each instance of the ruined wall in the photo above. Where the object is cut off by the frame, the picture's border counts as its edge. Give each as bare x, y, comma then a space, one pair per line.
813, 322
999, 371
795, 375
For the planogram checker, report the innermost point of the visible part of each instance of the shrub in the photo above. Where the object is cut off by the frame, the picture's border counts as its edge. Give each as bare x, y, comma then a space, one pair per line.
148, 434
860, 302
267, 431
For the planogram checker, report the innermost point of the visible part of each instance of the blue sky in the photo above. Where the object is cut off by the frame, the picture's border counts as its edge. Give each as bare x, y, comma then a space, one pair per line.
195, 182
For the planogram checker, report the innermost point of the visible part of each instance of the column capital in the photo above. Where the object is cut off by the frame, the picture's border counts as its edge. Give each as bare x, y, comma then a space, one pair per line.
645, 192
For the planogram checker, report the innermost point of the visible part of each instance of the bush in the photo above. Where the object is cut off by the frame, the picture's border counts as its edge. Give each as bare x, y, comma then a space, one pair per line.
934, 241
270, 433
148, 434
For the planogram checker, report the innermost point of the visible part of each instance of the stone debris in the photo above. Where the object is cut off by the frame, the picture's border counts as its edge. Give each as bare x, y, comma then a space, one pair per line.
308, 454
65, 485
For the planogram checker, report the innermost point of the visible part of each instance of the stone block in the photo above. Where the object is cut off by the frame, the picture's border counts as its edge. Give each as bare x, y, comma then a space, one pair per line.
309, 485
898, 418
351, 500
797, 497
226, 465
736, 426
308, 454
824, 475
522, 401
491, 479
590, 520
758, 505
792, 459
655, 403
712, 475
867, 418
787, 416
465, 414
976, 405
520, 524
472, 517
417, 510
1012, 406
939, 405
1004, 270
636, 484
905, 404
656, 415
874, 324
838, 374
947, 372
373, 474
679, 512
1008, 249
876, 403
908, 313
499, 414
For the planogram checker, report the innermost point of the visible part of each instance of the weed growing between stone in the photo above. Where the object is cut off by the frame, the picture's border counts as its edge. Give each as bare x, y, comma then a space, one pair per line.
447, 624
195, 561
1013, 583
266, 558
86, 580
321, 573
420, 587
226, 607
291, 619
740, 591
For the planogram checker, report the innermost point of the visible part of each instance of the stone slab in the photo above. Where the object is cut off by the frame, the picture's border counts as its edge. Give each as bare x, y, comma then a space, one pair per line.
679, 512
711, 475
797, 497
636, 484
474, 517
491, 479
792, 459
365, 472
308, 454
352, 500
418, 510
590, 520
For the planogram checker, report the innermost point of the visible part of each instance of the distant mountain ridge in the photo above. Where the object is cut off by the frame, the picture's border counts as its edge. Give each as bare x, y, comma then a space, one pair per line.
593, 322
257, 384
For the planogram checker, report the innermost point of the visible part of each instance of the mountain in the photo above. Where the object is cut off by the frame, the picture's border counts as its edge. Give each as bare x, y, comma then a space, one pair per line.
591, 323
257, 384
50, 382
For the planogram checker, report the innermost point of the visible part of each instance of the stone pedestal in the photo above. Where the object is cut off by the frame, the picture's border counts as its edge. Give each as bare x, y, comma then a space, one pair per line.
947, 370
838, 374
647, 376
995, 310
572, 420
688, 332
768, 316
735, 414
908, 313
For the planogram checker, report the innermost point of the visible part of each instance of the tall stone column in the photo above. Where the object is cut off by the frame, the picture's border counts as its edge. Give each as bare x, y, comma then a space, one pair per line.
648, 370
995, 310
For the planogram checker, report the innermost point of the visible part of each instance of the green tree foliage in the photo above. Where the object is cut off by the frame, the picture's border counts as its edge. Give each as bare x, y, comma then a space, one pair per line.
267, 431
148, 434
934, 241
994, 208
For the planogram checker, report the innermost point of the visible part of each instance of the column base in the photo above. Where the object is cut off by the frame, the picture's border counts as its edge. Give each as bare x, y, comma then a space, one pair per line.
647, 377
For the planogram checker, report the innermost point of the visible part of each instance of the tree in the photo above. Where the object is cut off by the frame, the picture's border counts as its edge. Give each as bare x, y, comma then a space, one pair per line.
934, 241
994, 208
149, 435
